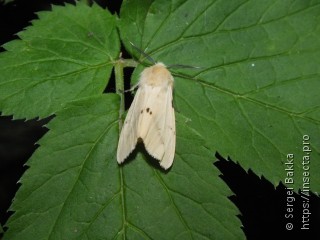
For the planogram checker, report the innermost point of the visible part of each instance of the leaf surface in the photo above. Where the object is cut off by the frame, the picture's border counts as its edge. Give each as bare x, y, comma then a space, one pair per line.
65, 55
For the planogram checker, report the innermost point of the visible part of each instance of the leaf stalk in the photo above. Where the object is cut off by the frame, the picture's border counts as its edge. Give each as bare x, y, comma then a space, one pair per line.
120, 64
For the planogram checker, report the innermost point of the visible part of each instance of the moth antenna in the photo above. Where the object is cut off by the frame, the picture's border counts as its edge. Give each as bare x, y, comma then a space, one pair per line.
143, 53
130, 89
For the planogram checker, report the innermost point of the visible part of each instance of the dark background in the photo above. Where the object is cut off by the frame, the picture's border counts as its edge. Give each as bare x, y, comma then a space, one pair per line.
262, 206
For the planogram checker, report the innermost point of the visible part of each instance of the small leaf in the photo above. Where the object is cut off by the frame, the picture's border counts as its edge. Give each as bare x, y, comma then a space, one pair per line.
67, 54
256, 94
188, 202
73, 176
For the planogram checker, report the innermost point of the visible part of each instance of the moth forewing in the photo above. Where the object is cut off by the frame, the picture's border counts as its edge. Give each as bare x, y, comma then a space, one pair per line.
151, 117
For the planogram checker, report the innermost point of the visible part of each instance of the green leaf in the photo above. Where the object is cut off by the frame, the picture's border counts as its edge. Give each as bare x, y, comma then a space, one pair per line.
71, 175
257, 92
188, 202
66, 55
74, 188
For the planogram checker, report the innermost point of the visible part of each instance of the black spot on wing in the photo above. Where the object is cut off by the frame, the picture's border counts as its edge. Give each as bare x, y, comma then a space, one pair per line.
149, 111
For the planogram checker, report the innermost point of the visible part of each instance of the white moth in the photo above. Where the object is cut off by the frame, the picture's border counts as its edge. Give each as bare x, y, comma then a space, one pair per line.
151, 117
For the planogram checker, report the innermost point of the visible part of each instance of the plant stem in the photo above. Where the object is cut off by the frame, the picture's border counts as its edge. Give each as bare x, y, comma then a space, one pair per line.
118, 69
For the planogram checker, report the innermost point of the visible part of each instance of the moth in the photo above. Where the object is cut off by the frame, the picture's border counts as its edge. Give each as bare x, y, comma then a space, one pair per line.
151, 117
